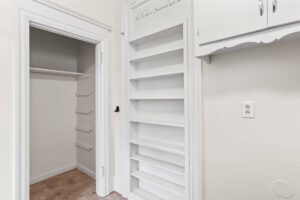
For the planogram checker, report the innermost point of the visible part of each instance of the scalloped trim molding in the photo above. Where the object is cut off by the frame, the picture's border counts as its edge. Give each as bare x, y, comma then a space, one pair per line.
267, 36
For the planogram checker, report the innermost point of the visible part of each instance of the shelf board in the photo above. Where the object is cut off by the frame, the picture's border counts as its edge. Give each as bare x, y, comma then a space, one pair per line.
84, 112
54, 72
154, 33
161, 183
157, 122
157, 74
161, 146
142, 195
82, 146
84, 76
83, 94
157, 97
159, 164
143, 57
84, 129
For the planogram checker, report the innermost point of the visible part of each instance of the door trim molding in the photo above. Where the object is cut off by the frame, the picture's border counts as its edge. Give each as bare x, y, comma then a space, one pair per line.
67, 11
53, 20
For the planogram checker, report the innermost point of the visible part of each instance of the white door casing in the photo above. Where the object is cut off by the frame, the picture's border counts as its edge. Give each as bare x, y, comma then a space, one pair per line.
48, 16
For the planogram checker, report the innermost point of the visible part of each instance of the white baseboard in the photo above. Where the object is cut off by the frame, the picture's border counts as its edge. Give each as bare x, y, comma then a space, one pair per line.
86, 171
51, 174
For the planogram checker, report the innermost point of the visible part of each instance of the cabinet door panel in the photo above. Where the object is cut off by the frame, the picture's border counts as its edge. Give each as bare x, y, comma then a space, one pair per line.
221, 19
283, 11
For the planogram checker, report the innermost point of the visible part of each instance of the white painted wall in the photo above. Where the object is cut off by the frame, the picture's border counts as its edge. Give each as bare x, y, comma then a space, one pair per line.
52, 51
6, 98
242, 157
53, 124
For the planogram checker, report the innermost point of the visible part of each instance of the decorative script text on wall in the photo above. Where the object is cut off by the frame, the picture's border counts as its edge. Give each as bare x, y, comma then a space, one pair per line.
151, 11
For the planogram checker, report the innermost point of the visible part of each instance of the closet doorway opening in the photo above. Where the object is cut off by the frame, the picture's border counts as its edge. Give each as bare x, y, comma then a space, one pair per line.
62, 113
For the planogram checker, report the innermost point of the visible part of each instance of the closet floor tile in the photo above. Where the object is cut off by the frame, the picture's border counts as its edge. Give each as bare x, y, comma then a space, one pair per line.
71, 185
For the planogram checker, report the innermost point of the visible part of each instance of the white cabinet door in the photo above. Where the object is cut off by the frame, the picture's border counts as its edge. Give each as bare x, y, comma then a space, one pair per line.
221, 19
283, 11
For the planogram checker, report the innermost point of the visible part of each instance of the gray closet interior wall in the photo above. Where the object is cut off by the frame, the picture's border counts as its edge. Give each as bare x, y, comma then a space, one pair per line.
62, 107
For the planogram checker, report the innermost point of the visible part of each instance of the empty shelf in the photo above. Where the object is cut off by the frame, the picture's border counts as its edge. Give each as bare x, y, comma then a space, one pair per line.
83, 94
85, 147
156, 32
84, 76
157, 97
54, 72
159, 164
84, 129
144, 195
143, 57
84, 112
157, 122
161, 183
157, 74
161, 146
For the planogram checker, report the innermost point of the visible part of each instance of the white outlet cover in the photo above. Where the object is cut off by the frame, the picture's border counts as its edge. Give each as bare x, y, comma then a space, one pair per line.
248, 110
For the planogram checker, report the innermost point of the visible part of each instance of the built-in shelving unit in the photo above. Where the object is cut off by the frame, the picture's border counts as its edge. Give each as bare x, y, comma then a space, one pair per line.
157, 121
55, 72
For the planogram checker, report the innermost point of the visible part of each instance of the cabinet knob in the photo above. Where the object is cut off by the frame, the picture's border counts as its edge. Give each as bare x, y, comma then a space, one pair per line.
261, 7
275, 5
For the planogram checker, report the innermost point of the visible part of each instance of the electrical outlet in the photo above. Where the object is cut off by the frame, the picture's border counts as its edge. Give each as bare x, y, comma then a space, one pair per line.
248, 109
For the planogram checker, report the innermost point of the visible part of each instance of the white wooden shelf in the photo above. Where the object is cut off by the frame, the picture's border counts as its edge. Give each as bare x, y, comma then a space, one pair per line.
84, 112
155, 33
140, 194
83, 94
157, 122
159, 164
143, 57
161, 183
157, 97
54, 72
84, 76
157, 66
139, 76
82, 146
84, 129
161, 146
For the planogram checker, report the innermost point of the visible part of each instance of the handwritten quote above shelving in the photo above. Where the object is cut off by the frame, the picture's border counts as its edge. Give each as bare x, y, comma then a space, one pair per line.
156, 9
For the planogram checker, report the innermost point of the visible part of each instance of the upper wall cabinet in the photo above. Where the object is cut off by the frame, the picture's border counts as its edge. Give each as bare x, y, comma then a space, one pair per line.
219, 19
283, 12
224, 25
